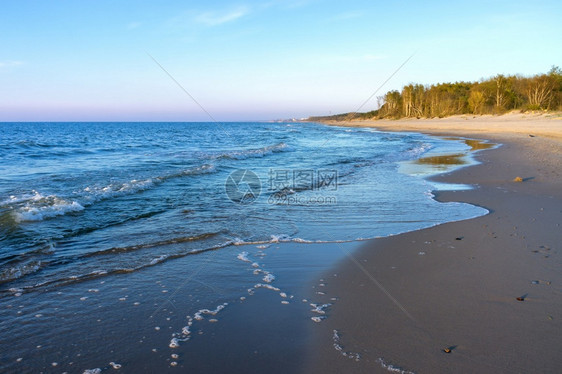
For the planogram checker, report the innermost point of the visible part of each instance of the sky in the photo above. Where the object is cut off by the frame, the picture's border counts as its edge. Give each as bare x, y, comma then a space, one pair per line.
254, 60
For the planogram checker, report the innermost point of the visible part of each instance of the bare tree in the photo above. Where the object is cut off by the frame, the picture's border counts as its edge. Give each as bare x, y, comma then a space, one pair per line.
539, 92
500, 91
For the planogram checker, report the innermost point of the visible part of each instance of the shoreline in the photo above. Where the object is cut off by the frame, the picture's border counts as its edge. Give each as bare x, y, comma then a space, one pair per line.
547, 125
456, 285
138, 315
254, 306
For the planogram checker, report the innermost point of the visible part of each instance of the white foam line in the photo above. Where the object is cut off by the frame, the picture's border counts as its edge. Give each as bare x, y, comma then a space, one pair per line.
243, 257
268, 278
339, 348
268, 286
392, 368
92, 371
185, 334
319, 308
199, 315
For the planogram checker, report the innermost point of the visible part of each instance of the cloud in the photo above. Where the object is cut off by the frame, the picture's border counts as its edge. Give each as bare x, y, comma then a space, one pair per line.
215, 19
6, 64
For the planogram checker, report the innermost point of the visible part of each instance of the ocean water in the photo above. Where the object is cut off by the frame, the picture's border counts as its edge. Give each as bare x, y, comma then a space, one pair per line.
92, 200
163, 246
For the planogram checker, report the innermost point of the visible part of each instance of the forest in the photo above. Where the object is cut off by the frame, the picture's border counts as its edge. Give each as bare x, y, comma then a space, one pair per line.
496, 95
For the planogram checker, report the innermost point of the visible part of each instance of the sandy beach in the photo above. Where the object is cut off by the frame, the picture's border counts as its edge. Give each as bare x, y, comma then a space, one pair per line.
487, 290
393, 303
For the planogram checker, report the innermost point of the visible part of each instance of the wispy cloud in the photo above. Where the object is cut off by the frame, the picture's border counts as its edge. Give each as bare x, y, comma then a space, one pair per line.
215, 18
10, 63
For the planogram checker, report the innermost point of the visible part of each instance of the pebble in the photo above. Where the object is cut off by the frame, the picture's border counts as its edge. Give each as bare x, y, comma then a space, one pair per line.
114, 365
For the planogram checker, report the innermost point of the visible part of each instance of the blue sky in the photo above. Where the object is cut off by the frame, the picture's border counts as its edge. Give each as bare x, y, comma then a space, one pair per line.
247, 60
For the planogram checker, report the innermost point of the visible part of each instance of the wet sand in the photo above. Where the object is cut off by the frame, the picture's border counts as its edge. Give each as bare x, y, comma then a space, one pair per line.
129, 322
403, 300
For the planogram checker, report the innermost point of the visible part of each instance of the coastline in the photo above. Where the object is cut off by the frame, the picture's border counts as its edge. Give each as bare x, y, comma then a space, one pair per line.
141, 316
510, 124
455, 285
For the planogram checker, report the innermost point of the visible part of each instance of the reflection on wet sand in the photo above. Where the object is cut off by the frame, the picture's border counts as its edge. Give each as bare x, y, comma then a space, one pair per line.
474, 144
456, 159
436, 163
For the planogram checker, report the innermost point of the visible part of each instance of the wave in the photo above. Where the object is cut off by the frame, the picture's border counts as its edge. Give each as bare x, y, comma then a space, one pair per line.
249, 153
283, 238
178, 240
115, 189
133, 186
39, 207
89, 229
197, 170
34, 206
33, 144
349, 165
19, 271
33, 196
417, 150
147, 259
65, 280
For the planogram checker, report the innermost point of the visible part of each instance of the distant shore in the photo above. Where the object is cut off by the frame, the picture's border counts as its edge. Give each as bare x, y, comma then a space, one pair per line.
543, 124
488, 289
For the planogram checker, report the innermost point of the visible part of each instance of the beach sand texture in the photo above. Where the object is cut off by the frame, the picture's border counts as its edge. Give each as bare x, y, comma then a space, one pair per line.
487, 289
543, 124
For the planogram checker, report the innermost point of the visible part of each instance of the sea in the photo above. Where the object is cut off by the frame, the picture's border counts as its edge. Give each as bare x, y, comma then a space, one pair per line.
85, 204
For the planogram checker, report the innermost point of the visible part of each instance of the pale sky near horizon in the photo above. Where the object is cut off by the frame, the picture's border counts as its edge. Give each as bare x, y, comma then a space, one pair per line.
254, 60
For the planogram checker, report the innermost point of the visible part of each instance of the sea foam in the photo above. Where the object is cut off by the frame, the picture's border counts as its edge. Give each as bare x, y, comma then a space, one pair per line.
42, 207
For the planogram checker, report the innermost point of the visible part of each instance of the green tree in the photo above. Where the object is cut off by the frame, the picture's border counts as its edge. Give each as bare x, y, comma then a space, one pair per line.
476, 101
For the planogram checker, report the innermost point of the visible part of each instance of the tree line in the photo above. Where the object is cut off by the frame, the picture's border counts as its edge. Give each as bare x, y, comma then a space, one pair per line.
495, 95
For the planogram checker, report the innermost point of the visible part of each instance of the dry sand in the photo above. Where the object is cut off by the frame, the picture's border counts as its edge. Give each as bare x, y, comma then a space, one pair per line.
406, 298
547, 125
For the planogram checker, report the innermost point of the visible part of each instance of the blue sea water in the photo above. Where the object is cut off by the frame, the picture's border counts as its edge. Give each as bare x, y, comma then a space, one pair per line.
91, 200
